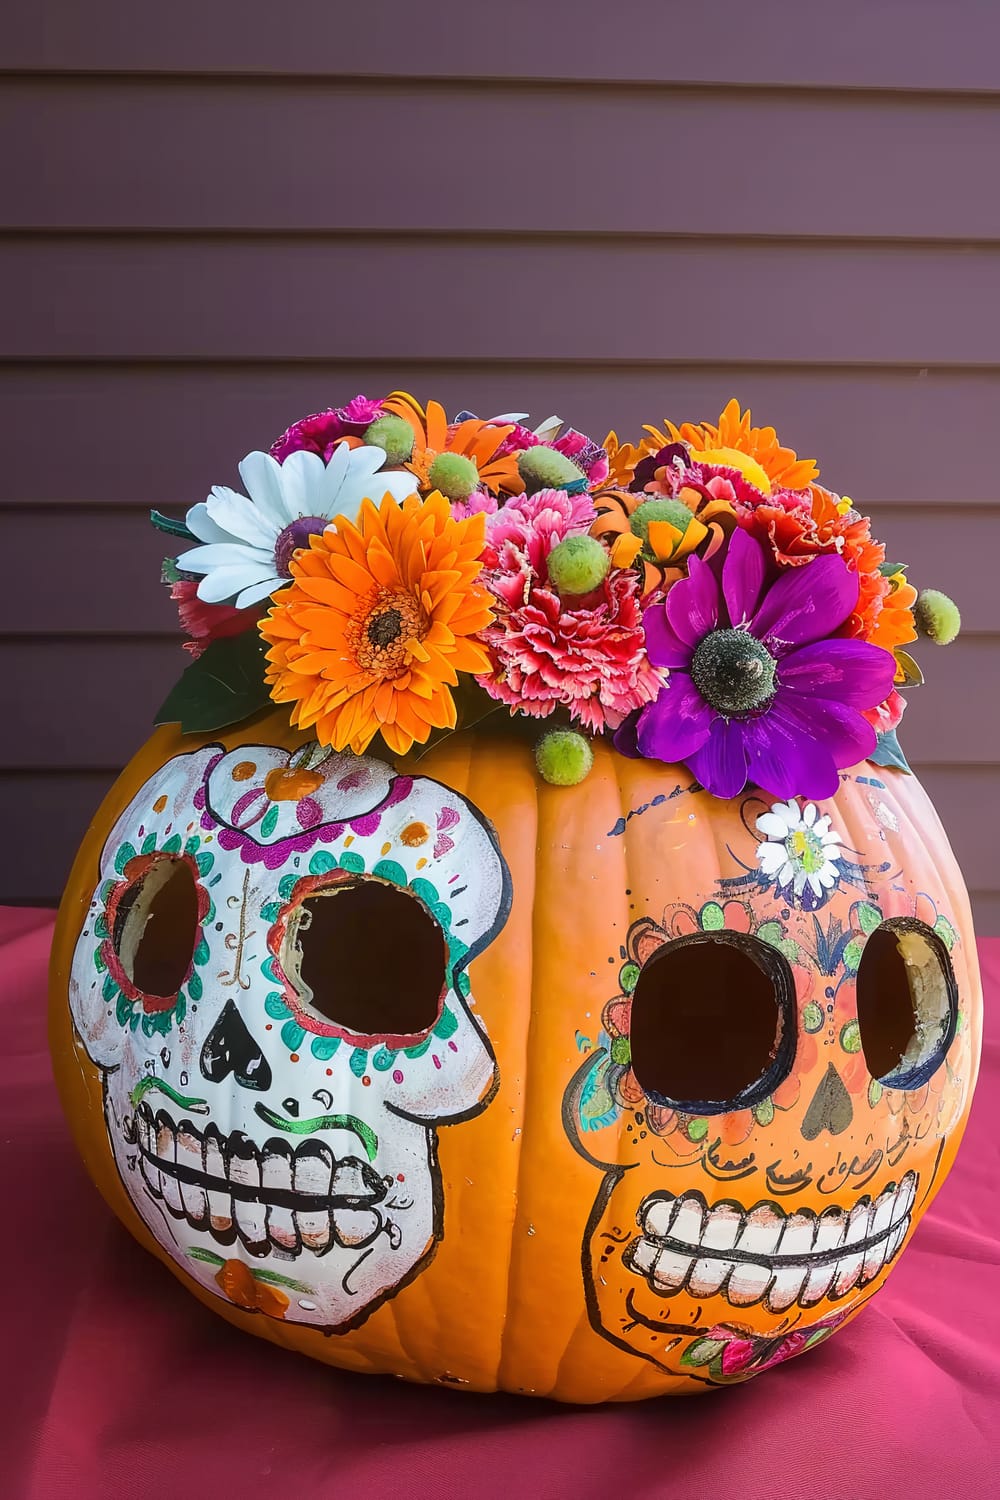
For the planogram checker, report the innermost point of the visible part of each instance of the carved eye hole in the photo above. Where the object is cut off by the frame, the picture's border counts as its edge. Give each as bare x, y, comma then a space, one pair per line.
156, 927
712, 1026
371, 959
907, 1002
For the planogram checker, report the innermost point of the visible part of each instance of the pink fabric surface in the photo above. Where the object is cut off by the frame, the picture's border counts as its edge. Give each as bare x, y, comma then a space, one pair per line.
117, 1383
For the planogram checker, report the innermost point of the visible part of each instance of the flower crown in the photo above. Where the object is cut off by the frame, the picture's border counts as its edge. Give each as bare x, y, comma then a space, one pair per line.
699, 597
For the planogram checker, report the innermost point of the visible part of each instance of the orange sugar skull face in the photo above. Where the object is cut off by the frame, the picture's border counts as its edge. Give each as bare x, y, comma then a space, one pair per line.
777, 1090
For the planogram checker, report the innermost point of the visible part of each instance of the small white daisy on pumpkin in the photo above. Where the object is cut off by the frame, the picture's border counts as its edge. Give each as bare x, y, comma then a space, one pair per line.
801, 853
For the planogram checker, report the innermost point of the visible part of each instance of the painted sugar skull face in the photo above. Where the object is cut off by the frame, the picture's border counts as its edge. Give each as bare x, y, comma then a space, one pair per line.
274, 980
770, 1094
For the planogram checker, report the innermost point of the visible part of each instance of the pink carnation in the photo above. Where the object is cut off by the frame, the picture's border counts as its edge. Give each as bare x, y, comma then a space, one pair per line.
572, 444
480, 502
206, 623
359, 413
589, 658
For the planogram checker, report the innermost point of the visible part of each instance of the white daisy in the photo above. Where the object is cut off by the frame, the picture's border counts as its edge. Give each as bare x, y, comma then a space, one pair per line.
801, 852
249, 542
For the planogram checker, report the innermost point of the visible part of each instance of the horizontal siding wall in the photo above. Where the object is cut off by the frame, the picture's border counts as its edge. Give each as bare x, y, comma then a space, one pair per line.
209, 228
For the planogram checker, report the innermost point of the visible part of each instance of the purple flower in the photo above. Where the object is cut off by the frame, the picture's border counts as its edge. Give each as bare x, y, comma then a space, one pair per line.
761, 688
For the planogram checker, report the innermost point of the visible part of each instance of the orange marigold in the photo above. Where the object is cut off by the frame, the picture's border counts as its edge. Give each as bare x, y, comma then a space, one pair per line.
378, 622
782, 466
474, 439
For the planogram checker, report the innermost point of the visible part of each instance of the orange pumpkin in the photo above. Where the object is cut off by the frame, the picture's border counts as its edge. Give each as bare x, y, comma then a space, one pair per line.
433, 1069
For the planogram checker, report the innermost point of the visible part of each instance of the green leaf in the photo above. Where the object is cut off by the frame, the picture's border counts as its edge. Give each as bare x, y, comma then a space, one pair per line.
869, 916
322, 862
852, 956
702, 1351
888, 753
850, 1036
224, 686
171, 527
712, 917
888, 569
292, 1035
446, 1026
628, 977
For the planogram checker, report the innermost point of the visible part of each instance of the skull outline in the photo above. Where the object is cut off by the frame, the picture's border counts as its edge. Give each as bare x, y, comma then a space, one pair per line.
238, 819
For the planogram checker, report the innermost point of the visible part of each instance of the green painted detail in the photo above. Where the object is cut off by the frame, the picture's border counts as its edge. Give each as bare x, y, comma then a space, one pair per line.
107, 888
322, 862
383, 1059
428, 893
946, 932
201, 953
270, 911
109, 989
711, 917
463, 984
322, 1122
269, 821
292, 1035
628, 977
764, 1111
697, 1129
812, 1017
324, 1047
447, 1025
148, 844
192, 845
852, 955
194, 985
173, 844
205, 860
286, 886
869, 916
850, 1036
125, 853
208, 1256
359, 1061
874, 1092
125, 1012
621, 1051
703, 1351
99, 963
274, 1278
352, 862
771, 933
150, 1085
420, 1048
101, 926
388, 869
268, 970
276, 1007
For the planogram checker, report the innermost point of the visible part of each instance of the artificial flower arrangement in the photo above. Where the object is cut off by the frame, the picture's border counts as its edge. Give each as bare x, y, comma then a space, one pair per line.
699, 596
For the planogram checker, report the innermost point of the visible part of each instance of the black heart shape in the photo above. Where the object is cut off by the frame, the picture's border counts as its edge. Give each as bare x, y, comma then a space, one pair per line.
229, 1048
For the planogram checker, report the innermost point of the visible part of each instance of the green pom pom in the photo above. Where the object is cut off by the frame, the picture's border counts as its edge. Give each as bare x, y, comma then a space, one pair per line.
674, 512
937, 616
393, 435
454, 475
563, 757
544, 468
578, 565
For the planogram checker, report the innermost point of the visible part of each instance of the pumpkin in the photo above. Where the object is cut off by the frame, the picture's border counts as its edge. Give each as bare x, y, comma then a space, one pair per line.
430, 1068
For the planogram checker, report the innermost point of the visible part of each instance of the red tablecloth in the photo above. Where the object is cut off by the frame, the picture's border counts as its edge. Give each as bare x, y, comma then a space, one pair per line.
117, 1383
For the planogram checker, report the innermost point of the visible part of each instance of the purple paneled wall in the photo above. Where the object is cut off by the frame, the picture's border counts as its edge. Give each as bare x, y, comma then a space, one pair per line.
213, 220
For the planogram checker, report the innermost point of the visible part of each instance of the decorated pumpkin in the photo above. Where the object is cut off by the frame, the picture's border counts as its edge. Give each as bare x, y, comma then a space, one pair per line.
597, 1058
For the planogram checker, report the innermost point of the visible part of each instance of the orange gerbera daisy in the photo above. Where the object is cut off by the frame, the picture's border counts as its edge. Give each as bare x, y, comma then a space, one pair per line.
474, 439
783, 467
377, 623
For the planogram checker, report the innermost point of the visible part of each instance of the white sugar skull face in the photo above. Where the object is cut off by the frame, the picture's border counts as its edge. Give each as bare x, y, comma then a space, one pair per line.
273, 979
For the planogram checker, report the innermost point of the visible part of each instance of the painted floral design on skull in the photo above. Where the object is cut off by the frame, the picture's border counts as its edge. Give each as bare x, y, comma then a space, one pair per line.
769, 1094
274, 982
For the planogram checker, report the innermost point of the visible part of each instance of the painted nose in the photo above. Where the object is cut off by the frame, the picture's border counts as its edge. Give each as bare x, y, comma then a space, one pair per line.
830, 1108
230, 1049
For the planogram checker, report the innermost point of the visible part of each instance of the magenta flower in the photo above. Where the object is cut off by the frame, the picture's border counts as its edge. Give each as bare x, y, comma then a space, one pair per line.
761, 687
321, 432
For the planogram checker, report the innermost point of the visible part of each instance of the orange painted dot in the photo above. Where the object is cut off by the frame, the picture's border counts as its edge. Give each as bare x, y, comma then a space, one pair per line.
349, 841
159, 804
386, 848
414, 834
293, 1057
329, 1072
400, 1176
268, 1027
243, 770
421, 863
366, 1081
291, 786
